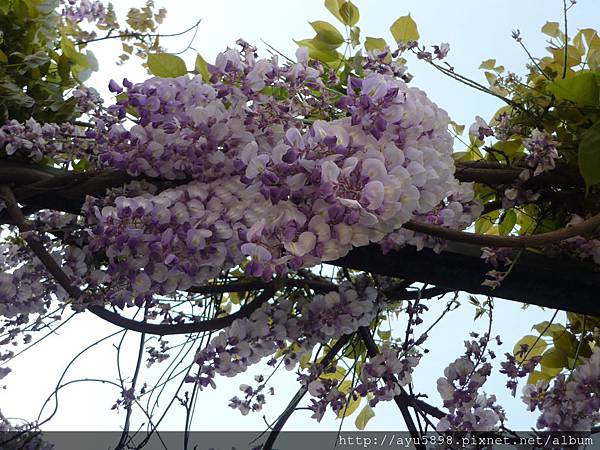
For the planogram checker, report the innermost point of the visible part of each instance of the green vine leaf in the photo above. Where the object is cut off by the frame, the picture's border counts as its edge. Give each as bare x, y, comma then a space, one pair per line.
363, 417
349, 13
327, 33
202, 68
581, 89
372, 43
589, 156
404, 29
334, 8
165, 65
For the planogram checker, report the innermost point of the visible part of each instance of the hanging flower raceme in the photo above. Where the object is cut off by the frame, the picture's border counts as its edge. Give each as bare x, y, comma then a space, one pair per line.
292, 328
276, 192
571, 404
469, 409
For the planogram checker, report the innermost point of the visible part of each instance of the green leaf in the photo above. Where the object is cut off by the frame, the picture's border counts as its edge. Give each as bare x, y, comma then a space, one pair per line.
458, 129
165, 65
384, 335
488, 64
535, 347
315, 52
334, 8
581, 89
345, 386
355, 36
64, 68
508, 222
552, 29
3, 57
535, 376
327, 33
566, 342
372, 43
81, 166
349, 13
485, 222
589, 156
351, 405
510, 148
404, 29
573, 55
339, 373
363, 417
546, 328
202, 68
554, 359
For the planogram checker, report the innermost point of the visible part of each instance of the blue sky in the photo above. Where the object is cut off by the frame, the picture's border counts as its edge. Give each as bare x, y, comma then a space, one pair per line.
476, 30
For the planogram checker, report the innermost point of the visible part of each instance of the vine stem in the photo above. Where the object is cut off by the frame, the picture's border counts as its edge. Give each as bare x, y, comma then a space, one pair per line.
403, 399
533, 240
283, 418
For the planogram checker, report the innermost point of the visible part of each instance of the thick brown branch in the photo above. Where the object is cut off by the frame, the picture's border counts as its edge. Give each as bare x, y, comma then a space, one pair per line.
217, 323
245, 286
533, 240
492, 174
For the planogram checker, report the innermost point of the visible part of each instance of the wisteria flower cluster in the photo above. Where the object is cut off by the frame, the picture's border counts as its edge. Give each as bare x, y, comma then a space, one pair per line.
469, 409
572, 403
583, 247
291, 328
381, 379
33, 140
80, 10
258, 184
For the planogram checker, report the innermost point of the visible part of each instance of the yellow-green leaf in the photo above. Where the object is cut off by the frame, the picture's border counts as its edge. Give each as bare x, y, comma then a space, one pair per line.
458, 129
485, 222
355, 36
165, 65
352, 405
345, 386
508, 222
552, 29
565, 342
349, 13
384, 335
314, 52
581, 89
404, 29
491, 78
202, 68
372, 43
573, 55
339, 373
334, 8
550, 372
305, 360
510, 148
536, 376
535, 347
554, 359
3, 57
327, 33
546, 328
363, 417
488, 64
589, 156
